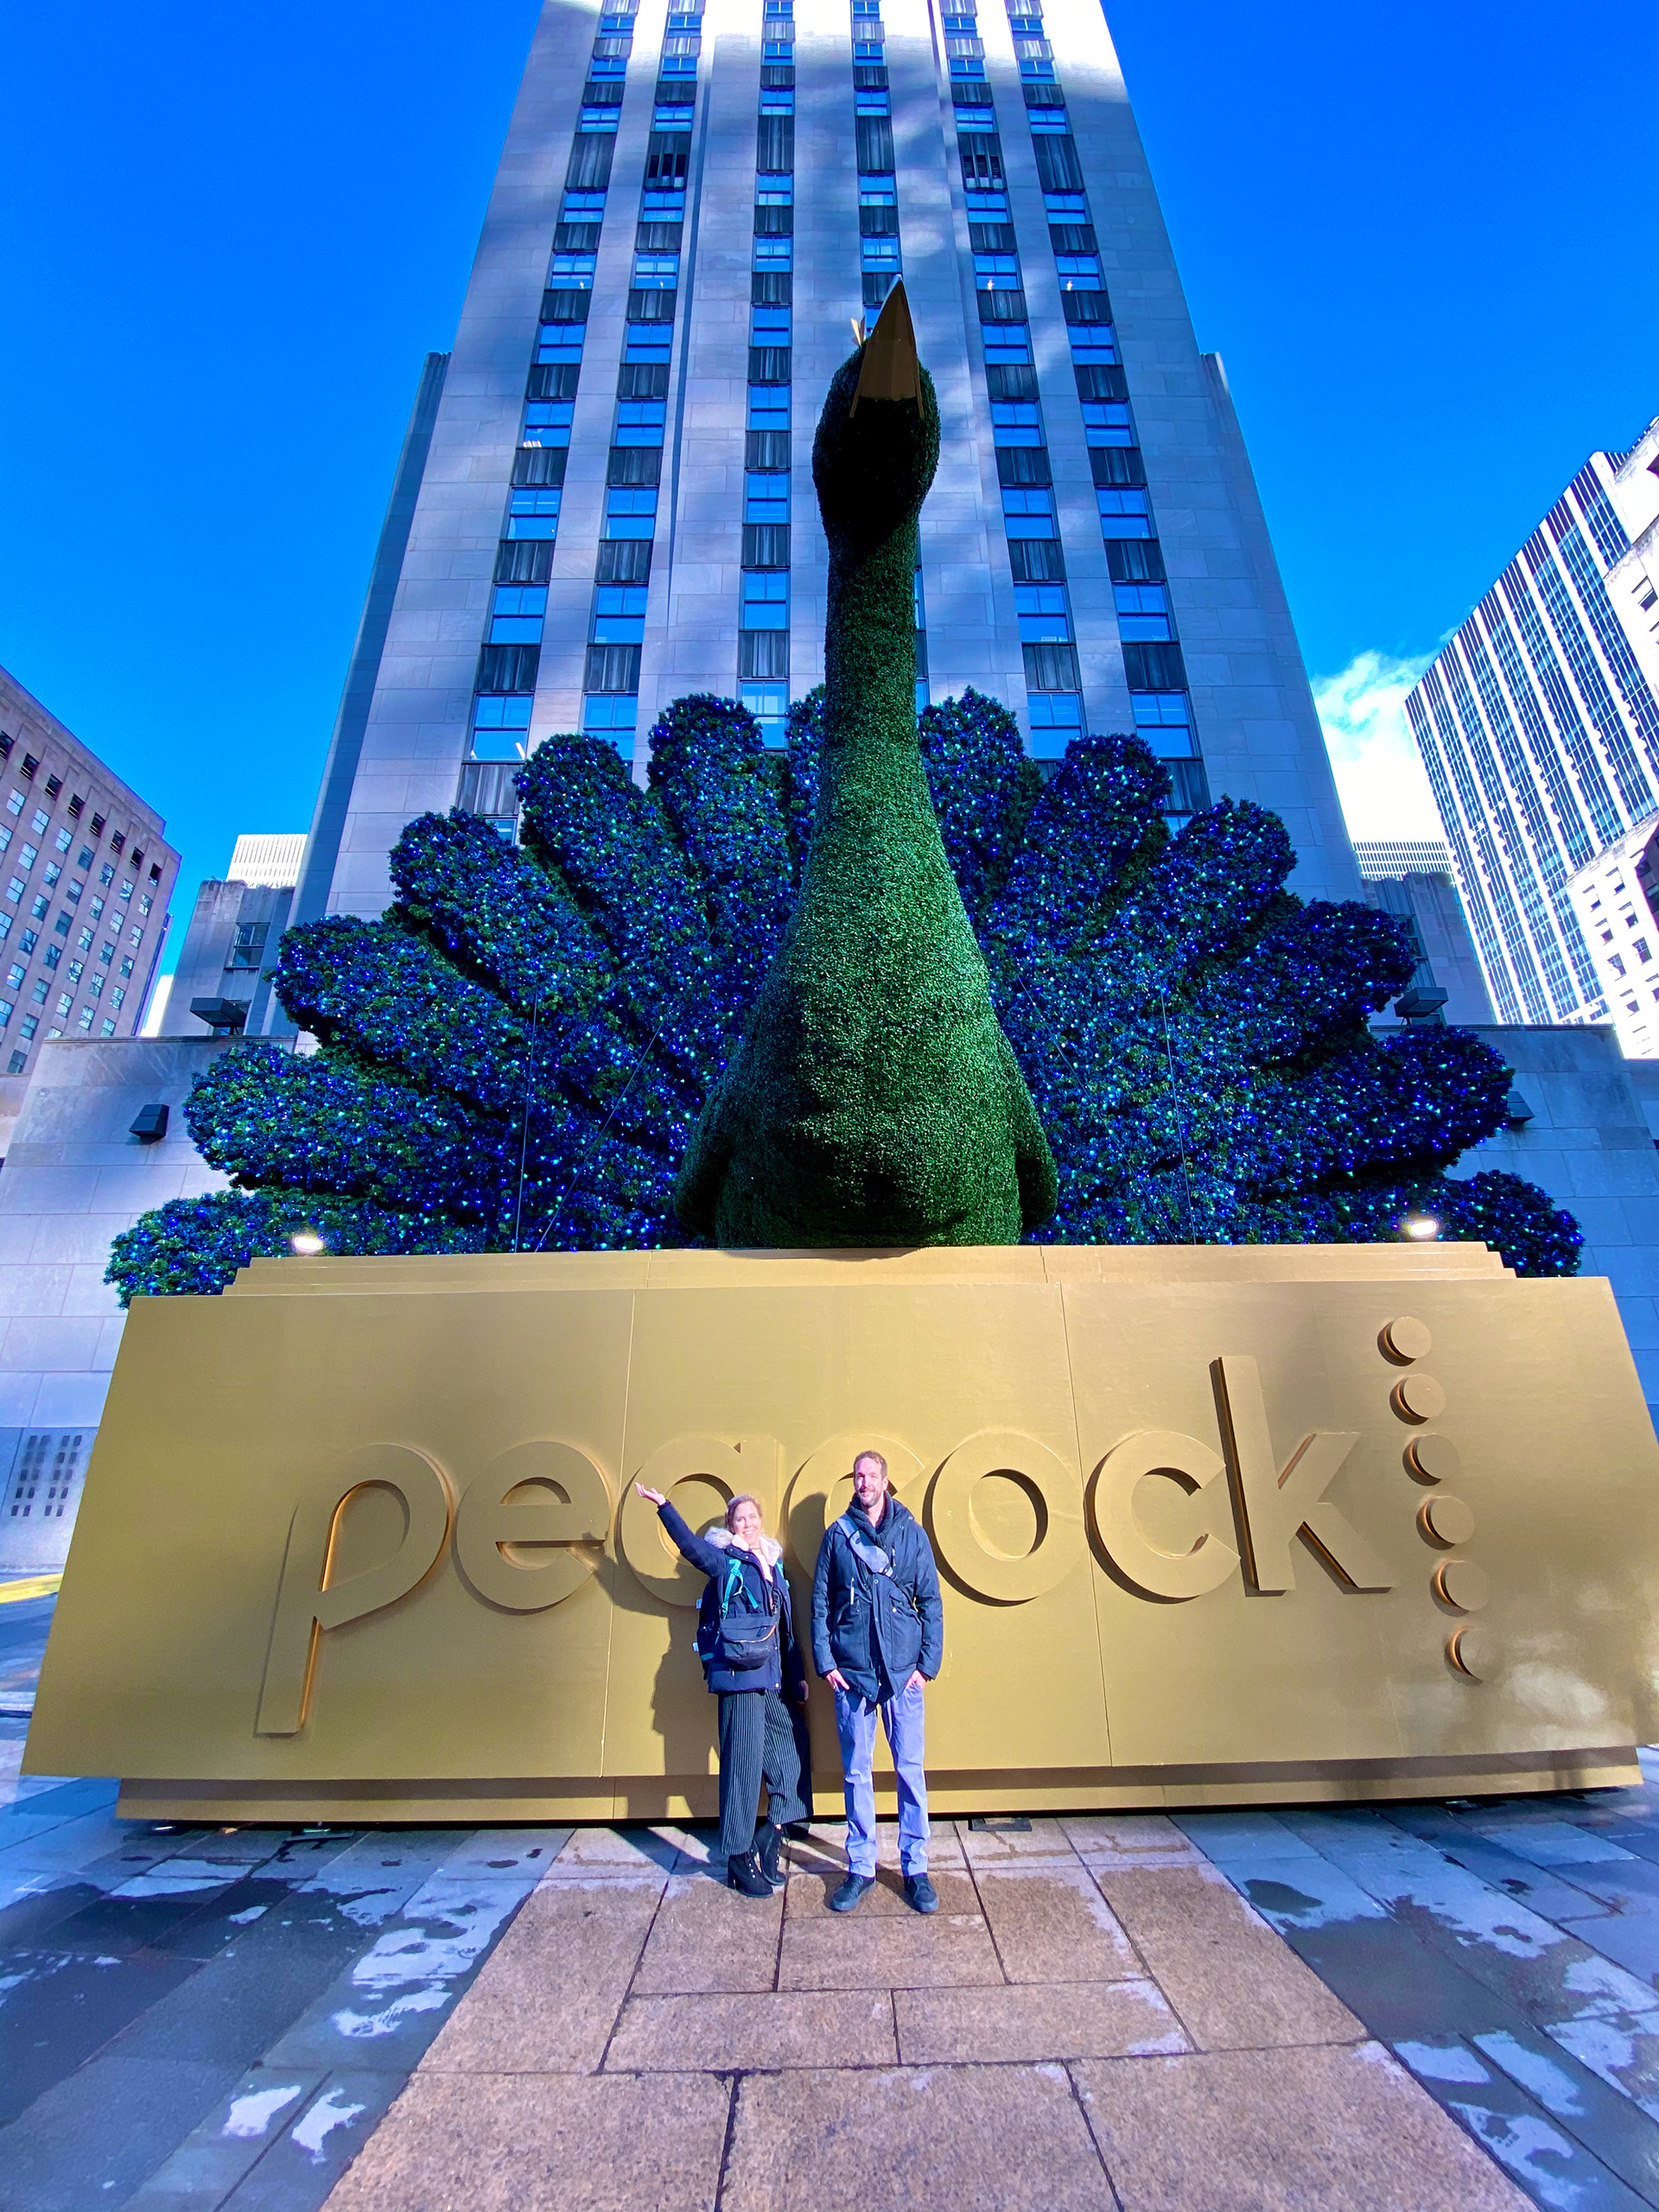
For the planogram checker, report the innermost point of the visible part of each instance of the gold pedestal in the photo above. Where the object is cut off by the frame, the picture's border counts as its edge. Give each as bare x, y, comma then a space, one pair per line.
1216, 1525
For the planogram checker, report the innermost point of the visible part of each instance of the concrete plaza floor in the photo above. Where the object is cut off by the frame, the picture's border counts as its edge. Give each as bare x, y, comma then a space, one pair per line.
1402, 2010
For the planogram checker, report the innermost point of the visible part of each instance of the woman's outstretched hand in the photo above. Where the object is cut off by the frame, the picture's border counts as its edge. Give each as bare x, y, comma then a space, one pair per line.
654, 1497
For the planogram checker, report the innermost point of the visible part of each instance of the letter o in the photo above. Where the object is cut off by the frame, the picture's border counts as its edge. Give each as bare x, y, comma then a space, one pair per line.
964, 1544
563, 1514
1111, 1503
825, 1481
727, 1468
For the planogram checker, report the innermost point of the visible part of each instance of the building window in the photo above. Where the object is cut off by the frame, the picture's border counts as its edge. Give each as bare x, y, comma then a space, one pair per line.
500, 731
656, 272
572, 272
769, 407
1027, 512
1056, 719
766, 499
1094, 344
1016, 423
619, 614
1164, 719
1124, 512
534, 514
614, 717
648, 341
631, 512
547, 422
1008, 345
639, 422
766, 599
1044, 619
249, 947
1142, 611
769, 704
774, 253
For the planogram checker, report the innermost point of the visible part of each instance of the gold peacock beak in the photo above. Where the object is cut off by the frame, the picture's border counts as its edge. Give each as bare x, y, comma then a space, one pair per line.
890, 369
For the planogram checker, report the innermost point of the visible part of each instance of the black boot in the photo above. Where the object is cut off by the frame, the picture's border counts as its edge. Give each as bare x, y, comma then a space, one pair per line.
743, 1874
768, 1848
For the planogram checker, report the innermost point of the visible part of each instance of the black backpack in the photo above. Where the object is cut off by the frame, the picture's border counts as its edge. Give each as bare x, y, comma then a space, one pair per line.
740, 1639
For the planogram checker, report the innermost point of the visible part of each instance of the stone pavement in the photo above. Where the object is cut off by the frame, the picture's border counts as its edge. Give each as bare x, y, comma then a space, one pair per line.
1424, 2006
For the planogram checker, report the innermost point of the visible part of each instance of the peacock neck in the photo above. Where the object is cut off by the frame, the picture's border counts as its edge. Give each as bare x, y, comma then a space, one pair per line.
870, 663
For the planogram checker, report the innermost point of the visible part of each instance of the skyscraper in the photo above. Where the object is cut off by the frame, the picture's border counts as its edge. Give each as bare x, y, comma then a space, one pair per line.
606, 499
1538, 726
86, 879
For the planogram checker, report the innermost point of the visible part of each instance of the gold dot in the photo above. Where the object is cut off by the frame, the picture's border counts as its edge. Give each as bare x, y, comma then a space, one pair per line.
1459, 1582
1404, 1338
1446, 1520
1472, 1653
1433, 1459
1417, 1398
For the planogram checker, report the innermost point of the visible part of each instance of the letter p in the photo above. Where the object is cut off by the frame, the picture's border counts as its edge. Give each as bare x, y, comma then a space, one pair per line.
309, 1600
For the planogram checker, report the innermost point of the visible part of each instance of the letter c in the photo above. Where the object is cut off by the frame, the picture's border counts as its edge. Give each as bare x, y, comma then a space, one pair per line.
308, 1602
1111, 1504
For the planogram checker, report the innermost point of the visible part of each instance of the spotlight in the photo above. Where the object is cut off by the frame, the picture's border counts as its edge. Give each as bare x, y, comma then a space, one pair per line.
306, 1242
1421, 1225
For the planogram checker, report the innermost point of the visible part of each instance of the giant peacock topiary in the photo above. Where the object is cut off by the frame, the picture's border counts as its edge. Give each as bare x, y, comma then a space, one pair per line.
531, 1043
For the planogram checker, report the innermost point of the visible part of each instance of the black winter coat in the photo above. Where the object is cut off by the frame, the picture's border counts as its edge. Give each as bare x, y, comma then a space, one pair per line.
878, 1630
712, 1554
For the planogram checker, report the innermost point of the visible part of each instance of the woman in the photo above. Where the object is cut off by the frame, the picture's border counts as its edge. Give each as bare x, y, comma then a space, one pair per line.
751, 1661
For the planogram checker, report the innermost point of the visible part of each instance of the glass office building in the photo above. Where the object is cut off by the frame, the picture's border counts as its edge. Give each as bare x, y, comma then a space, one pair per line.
1538, 726
606, 498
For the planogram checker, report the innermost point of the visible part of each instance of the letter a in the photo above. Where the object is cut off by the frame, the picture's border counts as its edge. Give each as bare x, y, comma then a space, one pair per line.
1274, 1507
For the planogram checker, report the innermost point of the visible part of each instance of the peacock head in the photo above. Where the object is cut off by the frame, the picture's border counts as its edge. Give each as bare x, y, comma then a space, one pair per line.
878, 441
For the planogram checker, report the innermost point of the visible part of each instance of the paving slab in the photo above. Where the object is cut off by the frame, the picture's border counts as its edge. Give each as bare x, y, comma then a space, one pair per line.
1331, 2130
1549, 2163
1390, 1978
298, 2172
1546, 1973
812, 1887
1128, 1840
887, 1951
549, 1997
1552, 1894
214, 2157
93, 2136
977, 2138
1049, 2020
1616, 2131
706, 1936
777, 2028
1050, 1923
1232, 1982
1623, 2048
546, 2143
395, 1998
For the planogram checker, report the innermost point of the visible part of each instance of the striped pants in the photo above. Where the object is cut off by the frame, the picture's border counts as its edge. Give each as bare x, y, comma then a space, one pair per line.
760, 1738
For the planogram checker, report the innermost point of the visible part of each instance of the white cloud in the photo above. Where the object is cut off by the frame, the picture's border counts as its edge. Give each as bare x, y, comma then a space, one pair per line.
1379, 778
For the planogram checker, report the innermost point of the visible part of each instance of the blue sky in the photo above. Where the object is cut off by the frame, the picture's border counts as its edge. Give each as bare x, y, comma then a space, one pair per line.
1417, 236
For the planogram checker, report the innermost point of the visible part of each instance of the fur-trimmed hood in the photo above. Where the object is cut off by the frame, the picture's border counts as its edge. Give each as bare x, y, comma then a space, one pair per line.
768, 1551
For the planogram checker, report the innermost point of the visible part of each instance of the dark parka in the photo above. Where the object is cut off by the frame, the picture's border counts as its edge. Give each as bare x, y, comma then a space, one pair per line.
712, 1555
874, 1629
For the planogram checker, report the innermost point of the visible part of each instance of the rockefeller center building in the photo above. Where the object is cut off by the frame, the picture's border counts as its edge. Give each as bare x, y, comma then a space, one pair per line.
605, 499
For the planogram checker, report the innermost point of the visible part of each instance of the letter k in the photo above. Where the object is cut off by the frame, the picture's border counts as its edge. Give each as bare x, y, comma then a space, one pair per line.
1273, 1508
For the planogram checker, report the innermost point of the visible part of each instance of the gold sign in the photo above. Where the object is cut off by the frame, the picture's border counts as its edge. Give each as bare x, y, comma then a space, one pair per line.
1214, 1524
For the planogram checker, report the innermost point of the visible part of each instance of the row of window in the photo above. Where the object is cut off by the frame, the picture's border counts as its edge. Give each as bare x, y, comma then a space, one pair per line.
94, 898
763, 612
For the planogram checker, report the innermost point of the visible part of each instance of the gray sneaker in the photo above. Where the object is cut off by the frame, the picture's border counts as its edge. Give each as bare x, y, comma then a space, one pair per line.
920, 1893
851, 1892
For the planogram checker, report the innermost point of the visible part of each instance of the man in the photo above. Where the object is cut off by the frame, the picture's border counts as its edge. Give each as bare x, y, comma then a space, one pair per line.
878, 1634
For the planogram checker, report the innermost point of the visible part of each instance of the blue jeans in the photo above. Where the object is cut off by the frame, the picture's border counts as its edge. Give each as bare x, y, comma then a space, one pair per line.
902, 1718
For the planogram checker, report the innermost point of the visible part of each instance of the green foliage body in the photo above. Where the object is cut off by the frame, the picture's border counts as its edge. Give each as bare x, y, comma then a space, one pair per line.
873, 1099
